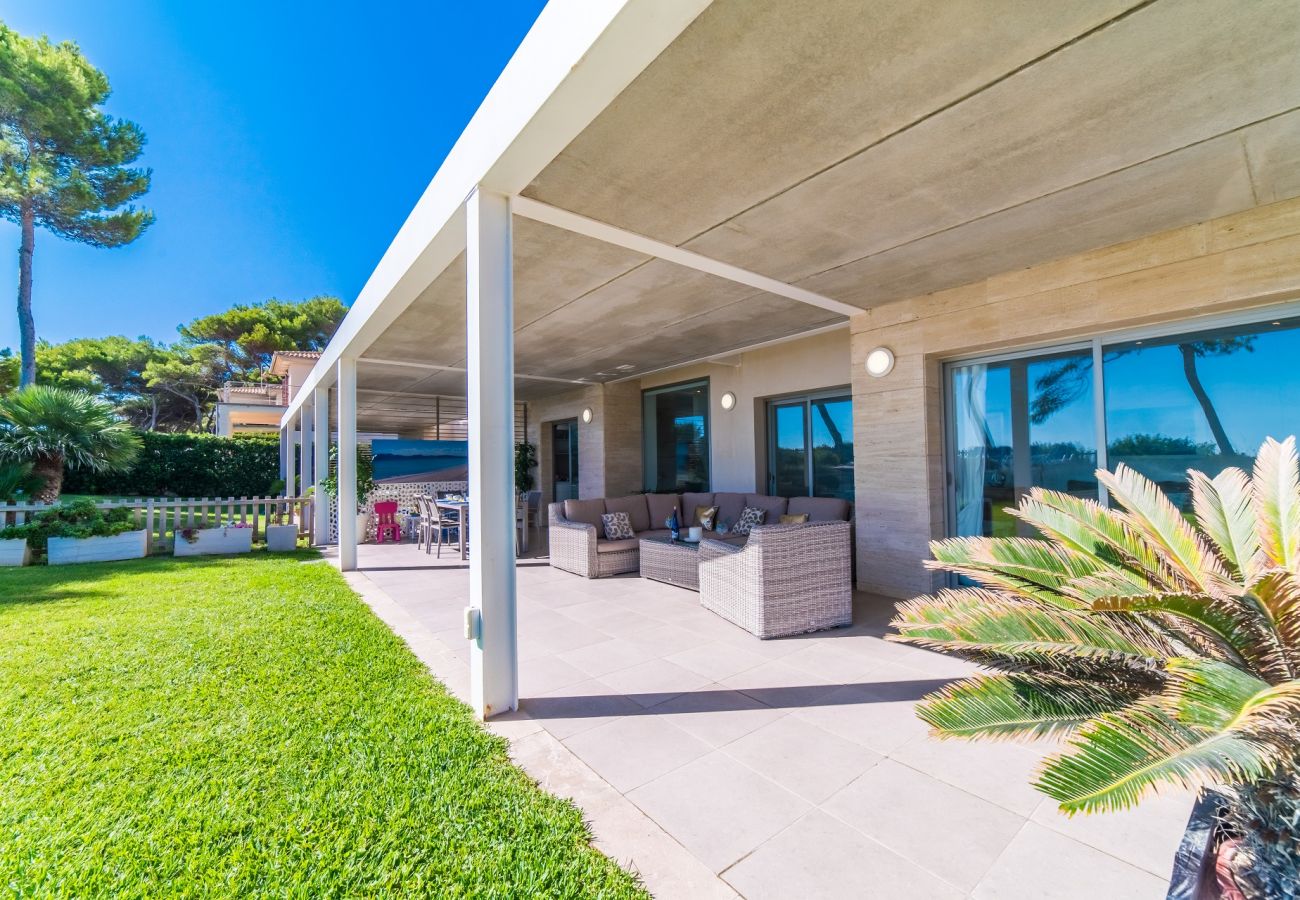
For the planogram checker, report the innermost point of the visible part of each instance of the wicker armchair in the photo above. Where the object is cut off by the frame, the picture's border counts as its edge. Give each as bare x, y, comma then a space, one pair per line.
574, 548
787, 579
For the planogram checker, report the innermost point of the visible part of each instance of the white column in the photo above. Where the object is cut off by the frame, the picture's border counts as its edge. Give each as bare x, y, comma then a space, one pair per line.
286, 454
489, 333
321, 463
305, 426
347, 462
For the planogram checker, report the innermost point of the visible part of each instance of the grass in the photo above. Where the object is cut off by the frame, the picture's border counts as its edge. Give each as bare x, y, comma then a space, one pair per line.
244, 726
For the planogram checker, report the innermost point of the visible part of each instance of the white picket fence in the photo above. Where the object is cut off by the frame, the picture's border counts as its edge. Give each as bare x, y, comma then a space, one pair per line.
162, 517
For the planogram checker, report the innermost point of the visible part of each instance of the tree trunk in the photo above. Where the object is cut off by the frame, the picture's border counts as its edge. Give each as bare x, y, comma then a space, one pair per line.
1207, 406
26, 324
50, 468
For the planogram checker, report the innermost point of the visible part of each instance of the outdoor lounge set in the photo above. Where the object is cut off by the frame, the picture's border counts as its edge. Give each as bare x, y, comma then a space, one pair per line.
770, 577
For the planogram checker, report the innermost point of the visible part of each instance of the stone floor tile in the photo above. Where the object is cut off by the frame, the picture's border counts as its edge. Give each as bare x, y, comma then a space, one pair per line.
1146, 836
653, 682
718, 808
802, 758
718, 660
781, 686
716, 714
629, 752
999, 771
607, 656
544, 674
1040, 863
819, 856
955, 835
578, 707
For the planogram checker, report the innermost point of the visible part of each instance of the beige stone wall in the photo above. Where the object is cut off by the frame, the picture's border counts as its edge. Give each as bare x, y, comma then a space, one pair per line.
609, 448
1247, 260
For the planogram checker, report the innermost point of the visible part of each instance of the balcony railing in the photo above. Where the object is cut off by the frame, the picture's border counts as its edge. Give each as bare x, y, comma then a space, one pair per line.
255, 392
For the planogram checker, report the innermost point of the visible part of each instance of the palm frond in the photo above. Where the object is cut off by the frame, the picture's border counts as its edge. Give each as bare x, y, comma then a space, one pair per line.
1214, 724
1018, 706
1278, 592
1026, 566
1276, 485
1017, 634
1088, 528
77, 427
1225, 511
1149, 512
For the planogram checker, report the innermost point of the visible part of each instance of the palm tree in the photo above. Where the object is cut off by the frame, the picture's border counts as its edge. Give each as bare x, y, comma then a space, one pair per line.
52, 428
1167, 651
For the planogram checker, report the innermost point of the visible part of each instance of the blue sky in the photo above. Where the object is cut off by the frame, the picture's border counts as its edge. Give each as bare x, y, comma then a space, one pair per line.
287, 147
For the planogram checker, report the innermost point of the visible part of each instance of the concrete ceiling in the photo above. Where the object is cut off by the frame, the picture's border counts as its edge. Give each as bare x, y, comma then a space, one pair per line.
872, 152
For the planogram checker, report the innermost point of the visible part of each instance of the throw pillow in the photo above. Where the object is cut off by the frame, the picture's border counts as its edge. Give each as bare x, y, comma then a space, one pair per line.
705, 516
751, 516
794, 519
618, 527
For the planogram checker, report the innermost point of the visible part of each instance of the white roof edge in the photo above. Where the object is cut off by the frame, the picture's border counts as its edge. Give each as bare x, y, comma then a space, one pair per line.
575, 60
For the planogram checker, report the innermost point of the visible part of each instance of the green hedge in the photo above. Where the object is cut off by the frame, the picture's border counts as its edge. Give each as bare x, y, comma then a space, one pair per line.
189, 465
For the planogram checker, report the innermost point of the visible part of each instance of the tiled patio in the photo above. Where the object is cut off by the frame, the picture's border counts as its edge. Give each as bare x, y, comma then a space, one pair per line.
715, 764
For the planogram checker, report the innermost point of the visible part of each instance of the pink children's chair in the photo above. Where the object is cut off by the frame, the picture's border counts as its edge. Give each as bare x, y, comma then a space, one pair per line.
386, 521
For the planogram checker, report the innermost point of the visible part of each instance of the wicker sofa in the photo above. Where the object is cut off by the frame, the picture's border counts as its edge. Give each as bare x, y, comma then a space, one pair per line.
786, 579
577, 537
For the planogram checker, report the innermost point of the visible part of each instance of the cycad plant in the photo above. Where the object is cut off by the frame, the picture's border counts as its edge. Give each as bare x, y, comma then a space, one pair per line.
52, 428
18, 482
1166, 651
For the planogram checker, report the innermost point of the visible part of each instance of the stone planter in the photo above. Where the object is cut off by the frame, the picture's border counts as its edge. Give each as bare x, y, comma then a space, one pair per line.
127, 545
214, 541
1194, 876
14, 552
363, 523
281, 538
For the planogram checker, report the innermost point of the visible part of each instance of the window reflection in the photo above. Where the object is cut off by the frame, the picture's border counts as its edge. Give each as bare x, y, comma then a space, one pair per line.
1204, 400
832, 448
1020, 424
676, 437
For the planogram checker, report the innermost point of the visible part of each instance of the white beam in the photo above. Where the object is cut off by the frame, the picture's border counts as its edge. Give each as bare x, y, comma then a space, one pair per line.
304, 449
347, 463
489, 338
576, 59
321, 466
286, 448
401, 363
629, 240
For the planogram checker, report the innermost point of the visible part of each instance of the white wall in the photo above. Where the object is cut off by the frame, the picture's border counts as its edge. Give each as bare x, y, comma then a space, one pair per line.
737, 438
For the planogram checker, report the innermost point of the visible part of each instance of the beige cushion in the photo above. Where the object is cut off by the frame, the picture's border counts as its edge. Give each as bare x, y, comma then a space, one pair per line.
820, 509
775, 506
654, 532
689, 502
730, 506
794, 518
634, 506
604, 546
661, 506
586, 512
706, 517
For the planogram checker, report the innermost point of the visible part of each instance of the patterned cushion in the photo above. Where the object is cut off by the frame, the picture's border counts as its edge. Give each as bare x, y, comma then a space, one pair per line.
794, 519
706, 517
749, 517
618, 527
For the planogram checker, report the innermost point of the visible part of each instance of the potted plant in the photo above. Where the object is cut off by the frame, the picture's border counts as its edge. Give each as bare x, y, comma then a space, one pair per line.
81, 532
18, 484
282, 537
1167, 649
229, 537
365, 486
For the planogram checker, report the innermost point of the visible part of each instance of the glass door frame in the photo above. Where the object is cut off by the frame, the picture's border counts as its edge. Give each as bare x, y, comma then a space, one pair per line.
805, 400
1096, 344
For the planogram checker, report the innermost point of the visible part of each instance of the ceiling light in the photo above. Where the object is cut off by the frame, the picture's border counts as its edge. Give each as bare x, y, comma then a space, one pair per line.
880, 362
728, 400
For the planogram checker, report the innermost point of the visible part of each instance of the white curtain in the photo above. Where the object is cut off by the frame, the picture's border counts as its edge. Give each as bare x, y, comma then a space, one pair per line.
972, 447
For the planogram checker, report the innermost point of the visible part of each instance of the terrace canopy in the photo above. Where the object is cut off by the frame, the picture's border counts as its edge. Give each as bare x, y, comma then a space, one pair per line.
653, 182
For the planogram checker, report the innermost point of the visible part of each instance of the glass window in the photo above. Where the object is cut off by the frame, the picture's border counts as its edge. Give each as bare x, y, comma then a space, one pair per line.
1020, 424
1204, 400
675, 434
811, 447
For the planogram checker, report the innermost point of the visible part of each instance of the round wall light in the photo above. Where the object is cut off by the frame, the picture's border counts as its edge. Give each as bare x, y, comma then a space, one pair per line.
728, 401
587, 416
880, 362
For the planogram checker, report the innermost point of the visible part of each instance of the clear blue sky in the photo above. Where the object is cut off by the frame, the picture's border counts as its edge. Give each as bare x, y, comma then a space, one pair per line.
288, 141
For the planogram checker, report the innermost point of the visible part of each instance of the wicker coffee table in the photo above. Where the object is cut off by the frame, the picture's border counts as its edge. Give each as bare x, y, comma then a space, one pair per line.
672, 562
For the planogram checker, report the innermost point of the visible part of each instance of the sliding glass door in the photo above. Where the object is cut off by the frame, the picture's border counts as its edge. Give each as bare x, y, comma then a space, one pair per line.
1016, 425
1160, 402
675, 436
810, 447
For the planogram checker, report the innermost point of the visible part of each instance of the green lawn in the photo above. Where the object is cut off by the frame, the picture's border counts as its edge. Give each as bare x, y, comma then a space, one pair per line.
245, 726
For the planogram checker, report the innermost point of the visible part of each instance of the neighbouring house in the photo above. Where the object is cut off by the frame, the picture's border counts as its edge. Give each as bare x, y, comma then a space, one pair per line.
251, 407
922, 258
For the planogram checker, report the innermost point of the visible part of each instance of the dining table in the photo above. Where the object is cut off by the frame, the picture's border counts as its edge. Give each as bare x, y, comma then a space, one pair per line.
461, 508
